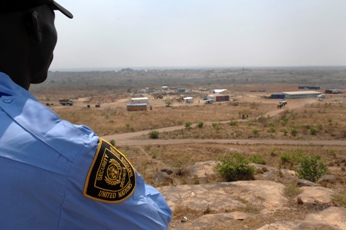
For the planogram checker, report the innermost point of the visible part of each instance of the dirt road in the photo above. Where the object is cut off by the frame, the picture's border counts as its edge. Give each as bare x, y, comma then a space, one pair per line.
131, 140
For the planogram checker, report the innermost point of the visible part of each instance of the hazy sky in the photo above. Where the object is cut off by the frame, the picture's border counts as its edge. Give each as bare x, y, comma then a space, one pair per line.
200, 33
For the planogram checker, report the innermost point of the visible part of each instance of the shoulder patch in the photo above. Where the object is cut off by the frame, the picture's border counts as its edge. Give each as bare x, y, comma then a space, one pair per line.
111, 177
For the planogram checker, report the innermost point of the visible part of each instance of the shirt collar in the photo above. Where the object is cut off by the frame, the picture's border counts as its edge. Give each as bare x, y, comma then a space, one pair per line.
9, 88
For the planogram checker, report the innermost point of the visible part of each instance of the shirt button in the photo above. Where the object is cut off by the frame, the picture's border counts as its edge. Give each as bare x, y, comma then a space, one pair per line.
7, 100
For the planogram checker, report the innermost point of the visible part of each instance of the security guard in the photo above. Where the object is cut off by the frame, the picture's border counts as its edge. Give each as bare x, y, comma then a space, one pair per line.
56, 175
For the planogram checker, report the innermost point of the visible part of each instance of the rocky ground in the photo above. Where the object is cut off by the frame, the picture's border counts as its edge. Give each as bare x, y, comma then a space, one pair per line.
263, 204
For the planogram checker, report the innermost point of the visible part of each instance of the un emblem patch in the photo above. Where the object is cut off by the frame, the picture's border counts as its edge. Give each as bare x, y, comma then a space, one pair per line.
111, 177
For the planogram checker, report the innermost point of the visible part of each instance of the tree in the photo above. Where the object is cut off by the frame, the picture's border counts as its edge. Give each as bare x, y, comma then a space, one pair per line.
168, 102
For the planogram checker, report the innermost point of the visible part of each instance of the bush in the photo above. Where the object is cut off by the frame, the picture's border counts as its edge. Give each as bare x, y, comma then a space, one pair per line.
235, 167
311, 168
257, 159
233, 123
200, 124
291, 158
112, 142
154, 134
294, 132
216, 125
188, 124
255, 132
313, 131
285, 132
154, 154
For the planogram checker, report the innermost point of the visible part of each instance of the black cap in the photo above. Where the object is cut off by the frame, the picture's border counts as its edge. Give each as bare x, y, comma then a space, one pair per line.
17, 5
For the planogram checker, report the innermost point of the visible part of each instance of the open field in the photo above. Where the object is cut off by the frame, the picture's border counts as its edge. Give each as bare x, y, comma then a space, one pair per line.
305, 126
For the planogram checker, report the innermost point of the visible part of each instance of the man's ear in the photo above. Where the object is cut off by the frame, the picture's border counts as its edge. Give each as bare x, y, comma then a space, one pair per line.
33, 26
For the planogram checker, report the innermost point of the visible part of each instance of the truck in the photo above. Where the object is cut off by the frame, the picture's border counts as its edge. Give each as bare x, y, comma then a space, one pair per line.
66, 102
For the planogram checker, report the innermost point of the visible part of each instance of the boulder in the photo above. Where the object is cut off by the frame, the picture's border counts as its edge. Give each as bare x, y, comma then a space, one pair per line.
333, 218
262, 196
162, 178
315, 195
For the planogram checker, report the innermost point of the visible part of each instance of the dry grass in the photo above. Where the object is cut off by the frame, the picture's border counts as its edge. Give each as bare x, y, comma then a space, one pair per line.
180, 156
319, 120
339, 198
110, 120
221, 121
312, 121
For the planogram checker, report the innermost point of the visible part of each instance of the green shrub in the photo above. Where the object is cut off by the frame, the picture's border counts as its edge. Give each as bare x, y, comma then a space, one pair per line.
200, 124
216, 125
272, 129
284, 121
313, 131
285, 132
291, 158
257, 159
311, 168
319, 126
233, 123
154, 154
235, 167
294, 131
273, 152
112, 142
154, 134
188, 124
255, 132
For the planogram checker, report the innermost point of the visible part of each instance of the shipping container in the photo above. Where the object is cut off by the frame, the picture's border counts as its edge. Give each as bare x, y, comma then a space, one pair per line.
137, 107
218, 97
278, 96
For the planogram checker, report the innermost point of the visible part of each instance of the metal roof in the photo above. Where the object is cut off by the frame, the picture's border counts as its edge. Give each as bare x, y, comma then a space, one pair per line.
137, 104
301, 92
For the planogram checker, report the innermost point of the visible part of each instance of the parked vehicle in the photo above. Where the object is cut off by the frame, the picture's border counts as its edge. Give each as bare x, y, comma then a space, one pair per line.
66, 102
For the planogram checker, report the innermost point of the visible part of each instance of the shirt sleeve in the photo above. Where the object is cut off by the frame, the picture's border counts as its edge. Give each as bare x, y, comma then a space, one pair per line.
112, 204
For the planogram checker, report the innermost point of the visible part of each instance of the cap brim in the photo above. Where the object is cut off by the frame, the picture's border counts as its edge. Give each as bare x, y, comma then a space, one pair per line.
62, 9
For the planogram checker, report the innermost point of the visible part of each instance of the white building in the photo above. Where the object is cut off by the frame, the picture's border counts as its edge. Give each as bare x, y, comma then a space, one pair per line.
139, 100
188, 99
217, 91
301, 94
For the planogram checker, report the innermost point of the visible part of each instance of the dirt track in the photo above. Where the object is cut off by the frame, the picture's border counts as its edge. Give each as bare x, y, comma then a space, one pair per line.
130, 139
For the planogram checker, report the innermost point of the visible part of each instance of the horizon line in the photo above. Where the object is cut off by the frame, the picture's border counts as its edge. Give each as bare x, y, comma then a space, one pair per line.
137, 68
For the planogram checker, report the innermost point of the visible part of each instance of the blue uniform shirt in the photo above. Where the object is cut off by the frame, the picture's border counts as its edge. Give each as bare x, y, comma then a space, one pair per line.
56, 175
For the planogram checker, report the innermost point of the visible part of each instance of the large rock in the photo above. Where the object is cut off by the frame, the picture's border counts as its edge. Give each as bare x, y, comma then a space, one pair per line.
264, 196
333, 218
209, 221
265, 172
162, 178
315, 195
202, 170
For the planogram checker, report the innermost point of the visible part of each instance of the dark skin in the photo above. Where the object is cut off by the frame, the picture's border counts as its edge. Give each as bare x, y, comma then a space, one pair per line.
27, 42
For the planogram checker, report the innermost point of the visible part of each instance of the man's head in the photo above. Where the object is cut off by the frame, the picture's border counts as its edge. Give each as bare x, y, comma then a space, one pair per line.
27, 39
